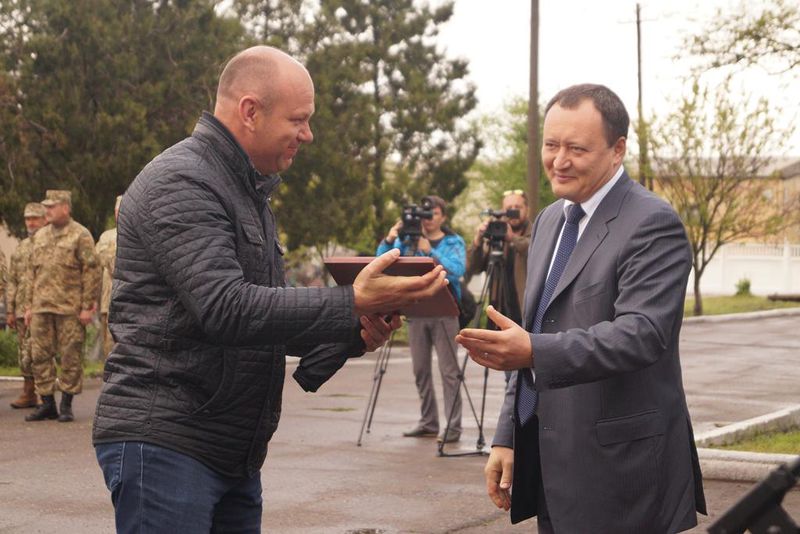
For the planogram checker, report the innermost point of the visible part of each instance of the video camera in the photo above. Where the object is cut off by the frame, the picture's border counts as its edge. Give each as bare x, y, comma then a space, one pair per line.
497, 229
412, 218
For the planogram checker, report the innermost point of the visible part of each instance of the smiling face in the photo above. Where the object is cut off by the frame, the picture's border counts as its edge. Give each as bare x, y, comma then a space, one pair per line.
280, 128
576, 153
266, 98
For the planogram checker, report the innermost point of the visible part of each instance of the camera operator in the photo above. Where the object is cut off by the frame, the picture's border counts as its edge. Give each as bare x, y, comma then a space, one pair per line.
515, 255
447, 248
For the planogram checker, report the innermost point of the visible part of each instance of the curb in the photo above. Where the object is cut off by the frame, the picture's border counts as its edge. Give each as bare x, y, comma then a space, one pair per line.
10, 379
739, 466
744, 466
781, 312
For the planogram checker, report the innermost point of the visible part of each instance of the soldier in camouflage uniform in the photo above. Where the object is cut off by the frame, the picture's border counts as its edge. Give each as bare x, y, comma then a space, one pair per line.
16, 292
65, 278
107, 252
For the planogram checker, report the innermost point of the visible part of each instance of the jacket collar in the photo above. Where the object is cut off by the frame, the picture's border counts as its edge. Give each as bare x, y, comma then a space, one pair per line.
211, 131
595, 232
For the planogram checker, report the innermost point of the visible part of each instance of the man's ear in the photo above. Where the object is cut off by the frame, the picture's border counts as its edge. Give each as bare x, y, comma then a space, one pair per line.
248, 111
620, 147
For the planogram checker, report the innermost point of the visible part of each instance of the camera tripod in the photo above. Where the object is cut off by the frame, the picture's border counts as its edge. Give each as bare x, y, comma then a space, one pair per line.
495, 289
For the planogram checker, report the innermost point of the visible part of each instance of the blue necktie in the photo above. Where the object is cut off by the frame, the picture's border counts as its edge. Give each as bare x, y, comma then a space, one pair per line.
528, 396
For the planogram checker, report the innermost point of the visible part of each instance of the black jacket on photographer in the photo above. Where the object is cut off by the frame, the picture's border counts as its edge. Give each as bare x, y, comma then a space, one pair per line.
515, 256
199, 313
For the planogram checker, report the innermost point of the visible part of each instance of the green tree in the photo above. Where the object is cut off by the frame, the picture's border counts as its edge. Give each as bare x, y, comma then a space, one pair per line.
712, 167
99, 88
770, 37
389, 105
505, 165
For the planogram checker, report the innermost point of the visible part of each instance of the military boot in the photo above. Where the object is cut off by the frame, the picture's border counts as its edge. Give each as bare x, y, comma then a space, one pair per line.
66, 408
26, 399
46, 410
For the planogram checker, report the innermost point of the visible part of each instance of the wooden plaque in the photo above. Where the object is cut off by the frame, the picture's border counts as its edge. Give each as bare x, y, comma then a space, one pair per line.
344, 270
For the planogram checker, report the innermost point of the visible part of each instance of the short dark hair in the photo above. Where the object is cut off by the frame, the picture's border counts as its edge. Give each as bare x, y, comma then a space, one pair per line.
606, 101
437, 202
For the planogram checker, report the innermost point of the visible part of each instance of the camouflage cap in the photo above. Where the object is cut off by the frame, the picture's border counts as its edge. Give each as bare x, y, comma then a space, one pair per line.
57, 196
33, 209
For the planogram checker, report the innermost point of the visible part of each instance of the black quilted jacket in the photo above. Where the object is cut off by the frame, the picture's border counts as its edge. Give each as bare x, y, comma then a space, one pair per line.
199, 313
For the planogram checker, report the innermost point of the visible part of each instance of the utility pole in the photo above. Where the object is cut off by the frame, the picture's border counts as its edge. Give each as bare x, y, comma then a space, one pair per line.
641, 130
533, 116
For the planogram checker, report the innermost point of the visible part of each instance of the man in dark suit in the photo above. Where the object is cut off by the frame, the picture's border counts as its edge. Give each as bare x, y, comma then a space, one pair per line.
594, 434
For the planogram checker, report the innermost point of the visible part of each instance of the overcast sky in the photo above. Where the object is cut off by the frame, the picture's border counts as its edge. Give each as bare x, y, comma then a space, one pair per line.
591, 41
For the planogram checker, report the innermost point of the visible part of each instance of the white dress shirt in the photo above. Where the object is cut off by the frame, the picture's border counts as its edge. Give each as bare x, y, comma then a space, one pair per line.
589, 207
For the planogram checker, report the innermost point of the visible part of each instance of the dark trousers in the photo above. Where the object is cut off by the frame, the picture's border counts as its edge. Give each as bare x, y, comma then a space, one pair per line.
154, 489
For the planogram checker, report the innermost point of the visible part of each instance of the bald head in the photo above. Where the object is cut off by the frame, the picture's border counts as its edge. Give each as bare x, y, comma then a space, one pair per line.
254, 71
265, 98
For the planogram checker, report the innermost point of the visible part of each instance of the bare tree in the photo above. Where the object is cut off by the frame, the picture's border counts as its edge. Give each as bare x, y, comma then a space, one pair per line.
770, 37
712, 157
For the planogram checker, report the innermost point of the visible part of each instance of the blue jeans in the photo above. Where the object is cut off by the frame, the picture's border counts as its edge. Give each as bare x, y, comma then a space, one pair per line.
154, 489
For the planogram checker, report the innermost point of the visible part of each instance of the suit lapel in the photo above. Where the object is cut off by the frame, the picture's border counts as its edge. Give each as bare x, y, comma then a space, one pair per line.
594, 233
544, 239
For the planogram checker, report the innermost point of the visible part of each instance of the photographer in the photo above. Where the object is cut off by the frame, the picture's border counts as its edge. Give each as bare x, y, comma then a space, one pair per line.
515, 255
447, 248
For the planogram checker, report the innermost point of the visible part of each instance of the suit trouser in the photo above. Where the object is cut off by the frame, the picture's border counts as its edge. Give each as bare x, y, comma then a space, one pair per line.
53, 334
423, 335
24, 348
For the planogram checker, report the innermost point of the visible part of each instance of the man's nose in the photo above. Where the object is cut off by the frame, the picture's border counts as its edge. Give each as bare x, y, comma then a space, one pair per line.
306, 135
561, 161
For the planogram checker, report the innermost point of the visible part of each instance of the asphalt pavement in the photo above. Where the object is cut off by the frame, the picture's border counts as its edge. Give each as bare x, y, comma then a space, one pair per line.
317, 480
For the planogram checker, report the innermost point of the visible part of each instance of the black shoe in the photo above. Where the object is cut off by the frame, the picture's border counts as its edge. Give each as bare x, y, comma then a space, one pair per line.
46, 410
66, 408
452, 437
420, 432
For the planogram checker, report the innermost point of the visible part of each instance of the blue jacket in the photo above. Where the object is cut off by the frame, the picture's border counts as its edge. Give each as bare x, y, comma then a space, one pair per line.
450, 253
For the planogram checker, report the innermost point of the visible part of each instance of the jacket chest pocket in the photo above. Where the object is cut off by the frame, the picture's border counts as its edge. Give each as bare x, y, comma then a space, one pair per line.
64, 254
251, 252
60, 254
278, 276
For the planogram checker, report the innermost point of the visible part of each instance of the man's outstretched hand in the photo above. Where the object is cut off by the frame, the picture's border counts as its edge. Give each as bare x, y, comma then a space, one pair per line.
506, 349
378, 293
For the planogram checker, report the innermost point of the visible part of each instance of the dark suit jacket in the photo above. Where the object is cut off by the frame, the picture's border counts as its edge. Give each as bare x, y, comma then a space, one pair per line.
613, 447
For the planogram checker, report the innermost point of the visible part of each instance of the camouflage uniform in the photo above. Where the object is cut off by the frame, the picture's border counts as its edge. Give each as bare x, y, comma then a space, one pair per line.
106, 253
16, 296
16, 291
65, 275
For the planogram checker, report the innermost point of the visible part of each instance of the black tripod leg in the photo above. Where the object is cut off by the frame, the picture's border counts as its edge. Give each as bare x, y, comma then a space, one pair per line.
481, 439
499, 298
461, 384
381, 372
380, 369
490, 274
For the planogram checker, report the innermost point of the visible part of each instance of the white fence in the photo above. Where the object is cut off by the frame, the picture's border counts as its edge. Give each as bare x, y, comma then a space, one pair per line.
770, 269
